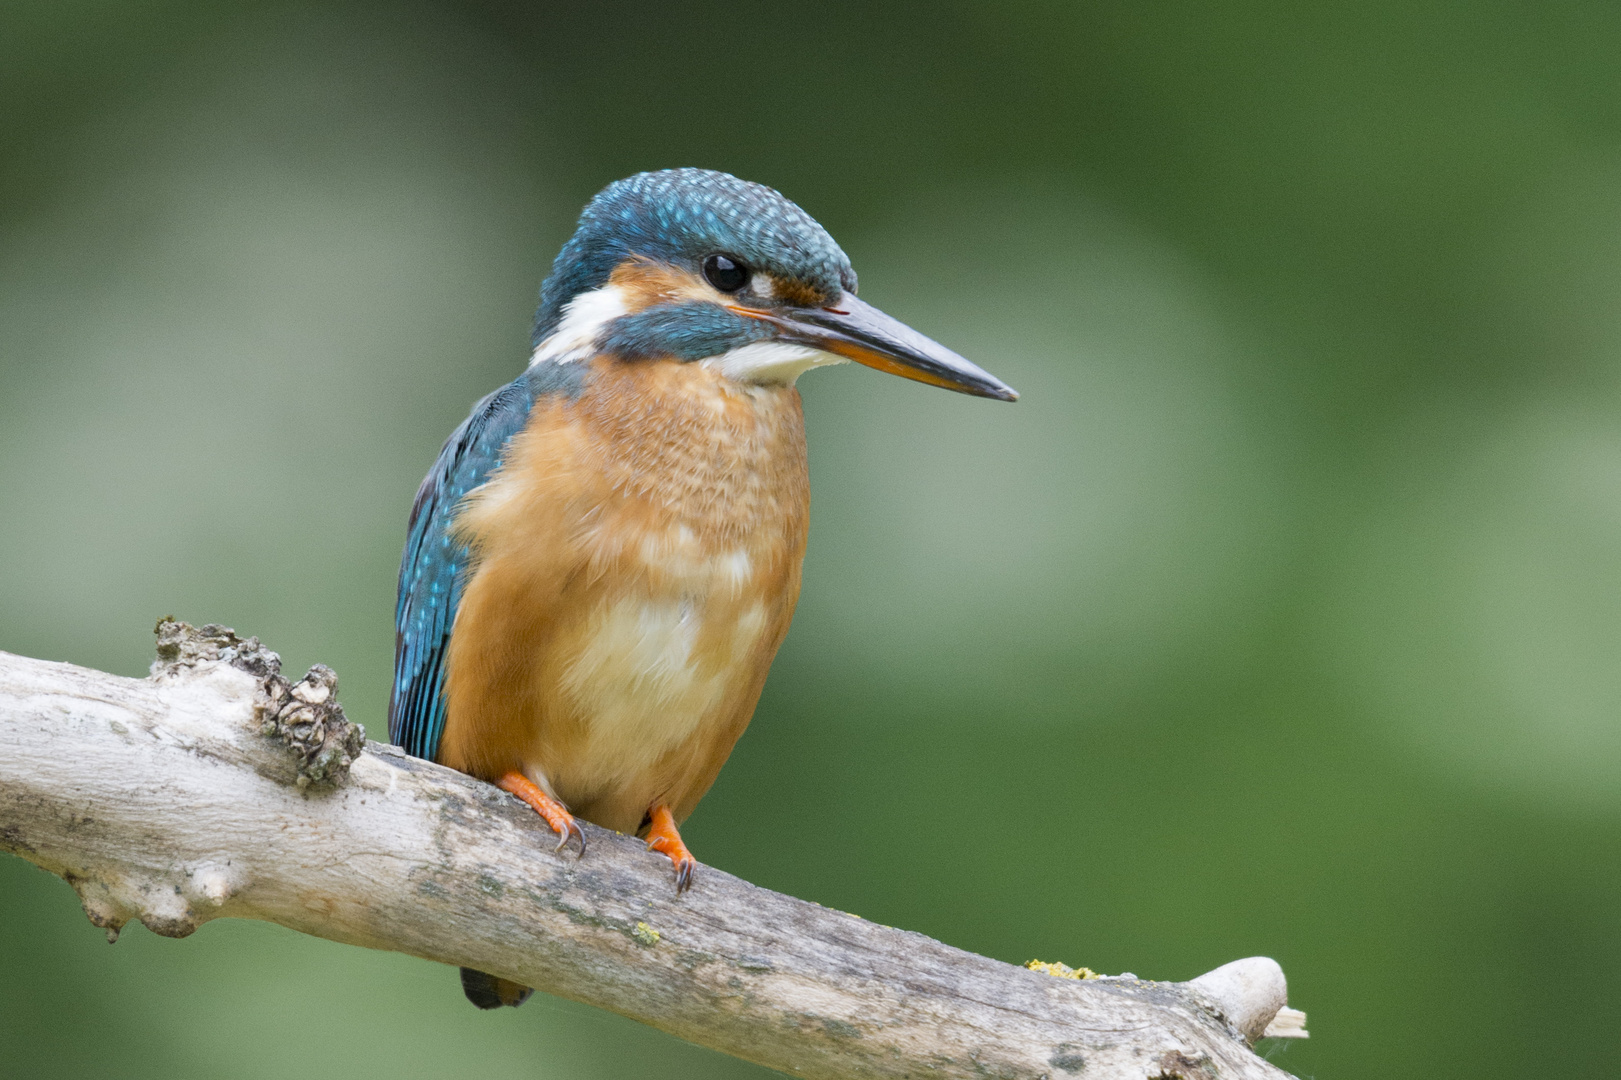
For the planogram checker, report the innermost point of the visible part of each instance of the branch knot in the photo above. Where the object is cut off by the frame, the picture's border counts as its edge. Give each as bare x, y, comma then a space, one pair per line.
304, 715
307, 717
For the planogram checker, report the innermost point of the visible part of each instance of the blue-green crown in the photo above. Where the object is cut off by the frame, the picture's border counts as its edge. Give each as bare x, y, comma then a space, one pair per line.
680, 216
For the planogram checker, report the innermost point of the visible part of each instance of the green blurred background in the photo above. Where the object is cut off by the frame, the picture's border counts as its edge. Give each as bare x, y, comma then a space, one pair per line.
1280, 616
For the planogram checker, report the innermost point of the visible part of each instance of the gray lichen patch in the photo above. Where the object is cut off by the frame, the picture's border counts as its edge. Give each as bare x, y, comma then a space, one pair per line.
1067, 1059
840, 1029
304, 715
12, 841
1177, 1065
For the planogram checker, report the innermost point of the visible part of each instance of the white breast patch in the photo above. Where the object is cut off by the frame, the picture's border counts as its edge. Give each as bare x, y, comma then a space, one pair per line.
637, 684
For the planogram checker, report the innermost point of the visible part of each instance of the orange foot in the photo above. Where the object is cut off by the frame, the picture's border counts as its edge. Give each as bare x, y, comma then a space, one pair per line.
663, 838
555, 813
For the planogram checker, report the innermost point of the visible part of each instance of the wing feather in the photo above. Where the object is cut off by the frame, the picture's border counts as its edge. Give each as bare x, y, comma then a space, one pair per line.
435, 565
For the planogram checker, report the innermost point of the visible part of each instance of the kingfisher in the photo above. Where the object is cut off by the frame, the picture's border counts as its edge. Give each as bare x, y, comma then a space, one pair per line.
606, 554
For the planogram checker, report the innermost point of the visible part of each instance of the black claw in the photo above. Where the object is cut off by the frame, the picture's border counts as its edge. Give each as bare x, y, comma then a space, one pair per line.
684, 872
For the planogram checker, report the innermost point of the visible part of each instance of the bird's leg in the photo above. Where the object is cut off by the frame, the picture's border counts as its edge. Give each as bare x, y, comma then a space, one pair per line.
555, 813
663, 837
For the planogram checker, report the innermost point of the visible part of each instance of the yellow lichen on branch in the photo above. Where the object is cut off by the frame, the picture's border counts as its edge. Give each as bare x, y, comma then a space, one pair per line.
1062, 971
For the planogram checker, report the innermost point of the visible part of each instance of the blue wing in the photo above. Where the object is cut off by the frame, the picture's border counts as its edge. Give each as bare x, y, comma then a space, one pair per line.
434, 568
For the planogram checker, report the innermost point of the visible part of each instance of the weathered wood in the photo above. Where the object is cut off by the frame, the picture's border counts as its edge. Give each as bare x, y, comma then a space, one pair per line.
174, 800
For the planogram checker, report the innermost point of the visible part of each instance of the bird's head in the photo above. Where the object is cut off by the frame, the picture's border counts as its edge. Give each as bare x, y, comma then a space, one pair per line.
703, 267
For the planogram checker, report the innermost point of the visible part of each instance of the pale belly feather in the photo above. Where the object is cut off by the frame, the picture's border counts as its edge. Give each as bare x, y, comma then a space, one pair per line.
641, 680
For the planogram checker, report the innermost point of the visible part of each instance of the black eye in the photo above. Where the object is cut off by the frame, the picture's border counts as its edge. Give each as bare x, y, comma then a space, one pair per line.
725, 273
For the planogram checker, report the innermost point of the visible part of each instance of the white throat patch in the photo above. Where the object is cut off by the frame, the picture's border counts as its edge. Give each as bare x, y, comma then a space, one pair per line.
773, 362
583, 319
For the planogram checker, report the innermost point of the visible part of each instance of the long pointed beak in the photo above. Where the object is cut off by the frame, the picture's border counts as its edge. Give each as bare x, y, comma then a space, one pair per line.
856, 330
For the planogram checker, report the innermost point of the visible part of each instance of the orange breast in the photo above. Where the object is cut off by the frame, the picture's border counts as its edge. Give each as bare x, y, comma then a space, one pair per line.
638, 560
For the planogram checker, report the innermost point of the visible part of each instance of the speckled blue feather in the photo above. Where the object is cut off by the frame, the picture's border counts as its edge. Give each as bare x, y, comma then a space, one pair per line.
436, 564
680, 216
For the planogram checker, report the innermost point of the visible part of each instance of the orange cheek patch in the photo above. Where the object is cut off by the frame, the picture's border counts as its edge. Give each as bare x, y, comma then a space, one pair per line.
647, 283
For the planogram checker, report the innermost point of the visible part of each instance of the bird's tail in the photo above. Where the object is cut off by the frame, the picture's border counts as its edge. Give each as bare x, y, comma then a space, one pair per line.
490, 992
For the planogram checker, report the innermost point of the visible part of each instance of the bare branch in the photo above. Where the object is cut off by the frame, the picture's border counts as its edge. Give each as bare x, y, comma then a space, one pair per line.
218, 789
